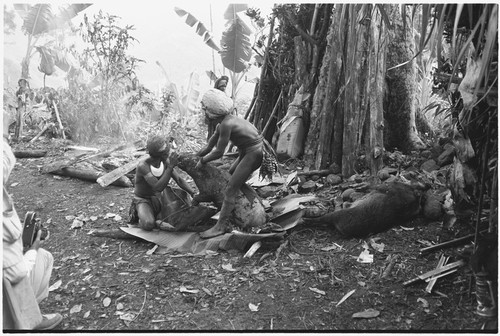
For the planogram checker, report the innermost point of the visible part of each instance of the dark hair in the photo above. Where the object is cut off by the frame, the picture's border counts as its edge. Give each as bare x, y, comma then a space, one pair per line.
217, 82
154, 144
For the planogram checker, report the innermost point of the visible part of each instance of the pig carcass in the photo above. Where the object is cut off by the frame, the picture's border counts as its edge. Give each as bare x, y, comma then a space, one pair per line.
211, 182
386, 206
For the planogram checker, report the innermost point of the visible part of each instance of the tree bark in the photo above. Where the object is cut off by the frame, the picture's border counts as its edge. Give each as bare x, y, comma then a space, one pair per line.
375, 92
356, 77
324, 142
400, 111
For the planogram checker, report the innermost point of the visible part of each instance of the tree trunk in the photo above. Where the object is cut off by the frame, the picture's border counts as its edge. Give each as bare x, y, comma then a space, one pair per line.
356, 60
375, 92
400, 111
324, 141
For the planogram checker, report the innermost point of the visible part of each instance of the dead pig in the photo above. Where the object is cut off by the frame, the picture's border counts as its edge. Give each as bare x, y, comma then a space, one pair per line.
386, 206
211, 182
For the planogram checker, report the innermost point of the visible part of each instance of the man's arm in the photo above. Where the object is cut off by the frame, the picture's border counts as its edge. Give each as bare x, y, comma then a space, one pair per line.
211, 143
182, 183
223, 140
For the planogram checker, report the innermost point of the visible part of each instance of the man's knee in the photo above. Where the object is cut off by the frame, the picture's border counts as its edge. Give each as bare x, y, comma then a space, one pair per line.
45, 257
147, 225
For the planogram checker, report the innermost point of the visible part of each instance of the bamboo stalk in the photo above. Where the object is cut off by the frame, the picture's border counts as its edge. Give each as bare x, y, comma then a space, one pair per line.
59, 119
272, 113
46, 127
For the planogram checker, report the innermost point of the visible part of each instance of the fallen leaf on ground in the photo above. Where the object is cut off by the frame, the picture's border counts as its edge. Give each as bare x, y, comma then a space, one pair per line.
228, 267
106, 302
253, 307
376, 246
183, 289
119, 306
87, 314
425, 304
152, 250
365, 257
76, 224
368, 313
55, 286
127, 317
319, 291
346, 296
75, 309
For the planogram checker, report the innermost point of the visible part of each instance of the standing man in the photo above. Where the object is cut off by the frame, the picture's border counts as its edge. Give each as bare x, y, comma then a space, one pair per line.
221, 85
252, 150
151, 178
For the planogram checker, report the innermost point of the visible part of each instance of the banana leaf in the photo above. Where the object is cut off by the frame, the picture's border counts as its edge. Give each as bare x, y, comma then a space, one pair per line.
233, 9
201, 30
39, 18
47, 61
236, 47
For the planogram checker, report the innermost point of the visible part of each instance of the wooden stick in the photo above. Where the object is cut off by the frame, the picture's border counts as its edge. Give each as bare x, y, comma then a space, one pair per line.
46, 127
448, 243
322, 172
435, 272
272, 114
442, 261
59, 119
113, 175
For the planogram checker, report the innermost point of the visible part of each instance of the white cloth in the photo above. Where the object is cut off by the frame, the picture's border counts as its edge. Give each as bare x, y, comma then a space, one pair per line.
37, 265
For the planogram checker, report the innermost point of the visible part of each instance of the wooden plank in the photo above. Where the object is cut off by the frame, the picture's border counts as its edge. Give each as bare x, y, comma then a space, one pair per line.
113, 175
435, 272
91, 175
442, 261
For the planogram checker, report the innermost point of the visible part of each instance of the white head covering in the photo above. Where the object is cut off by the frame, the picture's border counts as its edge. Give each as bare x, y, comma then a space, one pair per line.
216, 104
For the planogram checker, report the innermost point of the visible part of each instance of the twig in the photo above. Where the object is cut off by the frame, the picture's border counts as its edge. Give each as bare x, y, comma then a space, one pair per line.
142, 308
388, 270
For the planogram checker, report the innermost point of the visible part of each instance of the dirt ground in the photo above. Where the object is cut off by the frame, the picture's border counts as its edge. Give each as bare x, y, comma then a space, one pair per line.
116, 284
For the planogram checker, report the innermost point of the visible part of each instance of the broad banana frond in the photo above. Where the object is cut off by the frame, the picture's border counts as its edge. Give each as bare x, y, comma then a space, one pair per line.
39, 18
236, 47
200, 27
233, 9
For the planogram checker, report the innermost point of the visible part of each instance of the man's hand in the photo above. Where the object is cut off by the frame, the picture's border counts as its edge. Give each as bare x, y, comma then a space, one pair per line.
36, 244
173, 159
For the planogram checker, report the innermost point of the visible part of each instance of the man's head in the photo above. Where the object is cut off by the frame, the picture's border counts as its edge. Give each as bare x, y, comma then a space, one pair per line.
157, 147
221, 83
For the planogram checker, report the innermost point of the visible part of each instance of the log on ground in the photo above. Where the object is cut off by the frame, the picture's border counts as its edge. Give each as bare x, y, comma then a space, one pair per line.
90, 175
21, 154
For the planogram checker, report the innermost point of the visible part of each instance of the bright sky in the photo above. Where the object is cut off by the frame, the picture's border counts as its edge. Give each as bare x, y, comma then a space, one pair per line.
163, 36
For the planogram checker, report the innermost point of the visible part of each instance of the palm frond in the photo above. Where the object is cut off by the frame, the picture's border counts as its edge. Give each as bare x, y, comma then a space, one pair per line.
236, 47
201, 30
233, 9
37, 20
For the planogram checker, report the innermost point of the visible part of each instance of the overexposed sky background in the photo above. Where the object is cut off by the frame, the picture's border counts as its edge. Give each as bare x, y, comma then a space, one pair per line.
162, 36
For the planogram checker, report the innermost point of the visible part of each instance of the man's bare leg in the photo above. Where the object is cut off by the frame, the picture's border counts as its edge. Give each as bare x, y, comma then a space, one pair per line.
223, 224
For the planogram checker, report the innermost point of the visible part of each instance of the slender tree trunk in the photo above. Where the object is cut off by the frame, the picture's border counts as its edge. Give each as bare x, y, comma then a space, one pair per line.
324, 142
375, 92
400, 111
356, 71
